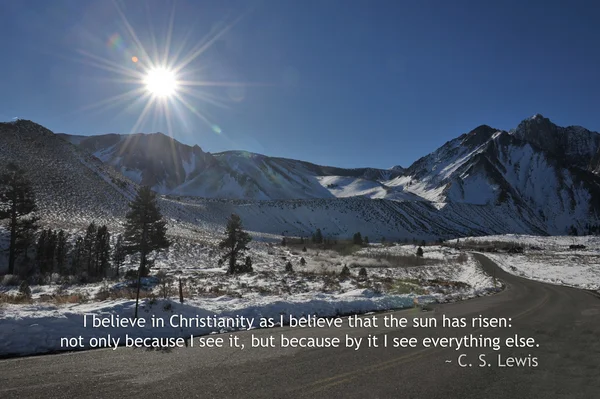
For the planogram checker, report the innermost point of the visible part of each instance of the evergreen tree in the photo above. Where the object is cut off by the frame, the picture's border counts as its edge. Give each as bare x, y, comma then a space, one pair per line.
573, 231
145, 232
366, 240
77, 256
318, 237
118, 255
362, 273
235, 243
288, 267
345, 273
420, 252
77, 263
45, 251
302, 261
89, 248
102, 250
17, 203
61, 251
283, 242
50, 255
357, 239
303, 249
40, 251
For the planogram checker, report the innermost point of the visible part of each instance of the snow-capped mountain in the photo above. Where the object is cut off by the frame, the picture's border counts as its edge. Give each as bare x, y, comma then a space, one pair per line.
487, 181
549, 179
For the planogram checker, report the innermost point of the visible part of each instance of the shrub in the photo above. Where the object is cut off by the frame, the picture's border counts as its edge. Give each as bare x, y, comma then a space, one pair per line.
420, 252
302, 261
103, 293
345, 273
362, 273
11, 280
289, 268
246, 267
25, 290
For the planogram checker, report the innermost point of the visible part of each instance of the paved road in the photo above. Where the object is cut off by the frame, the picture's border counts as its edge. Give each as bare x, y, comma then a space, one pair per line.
565, 323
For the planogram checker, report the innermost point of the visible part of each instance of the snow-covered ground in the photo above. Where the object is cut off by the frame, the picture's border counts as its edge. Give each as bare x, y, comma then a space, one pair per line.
548, 259
395, 279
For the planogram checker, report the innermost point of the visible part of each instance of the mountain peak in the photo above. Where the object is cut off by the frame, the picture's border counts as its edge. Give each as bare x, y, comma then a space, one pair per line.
478, 136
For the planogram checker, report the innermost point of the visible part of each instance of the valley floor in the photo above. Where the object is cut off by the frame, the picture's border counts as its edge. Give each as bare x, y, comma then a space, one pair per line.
396, 279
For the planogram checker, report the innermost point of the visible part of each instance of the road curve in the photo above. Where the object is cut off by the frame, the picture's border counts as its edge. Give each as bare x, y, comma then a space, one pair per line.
564, 321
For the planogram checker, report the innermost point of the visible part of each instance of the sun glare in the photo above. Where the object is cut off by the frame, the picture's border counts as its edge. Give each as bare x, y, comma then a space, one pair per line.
164, 81
161, 82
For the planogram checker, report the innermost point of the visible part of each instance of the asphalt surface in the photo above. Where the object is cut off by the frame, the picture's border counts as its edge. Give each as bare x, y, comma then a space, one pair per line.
564, 322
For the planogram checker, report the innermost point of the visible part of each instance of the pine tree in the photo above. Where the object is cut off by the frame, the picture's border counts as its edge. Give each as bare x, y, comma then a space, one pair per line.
77, 256
61, 251
102, 251
40, 251
345, 273
289, 268
357, 239
302, 261
283, 242
89, 248
118, 255
45, 254
50, 251
318, 237
145, 232
235, 243
362, 273
17, 203
366, 240
420, 252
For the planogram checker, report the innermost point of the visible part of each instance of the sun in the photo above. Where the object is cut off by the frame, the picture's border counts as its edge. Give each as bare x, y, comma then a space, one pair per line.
161, 82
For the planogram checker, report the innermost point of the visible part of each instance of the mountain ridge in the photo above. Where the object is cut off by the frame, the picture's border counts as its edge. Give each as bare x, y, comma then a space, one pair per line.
485, 181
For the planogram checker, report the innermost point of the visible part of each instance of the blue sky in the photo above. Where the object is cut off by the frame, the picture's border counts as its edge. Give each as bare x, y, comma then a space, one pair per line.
344, 83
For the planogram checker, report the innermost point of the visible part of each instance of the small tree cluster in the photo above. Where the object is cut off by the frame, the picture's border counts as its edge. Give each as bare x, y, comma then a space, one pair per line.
17, 206
51, 252
91, 254
357, 239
